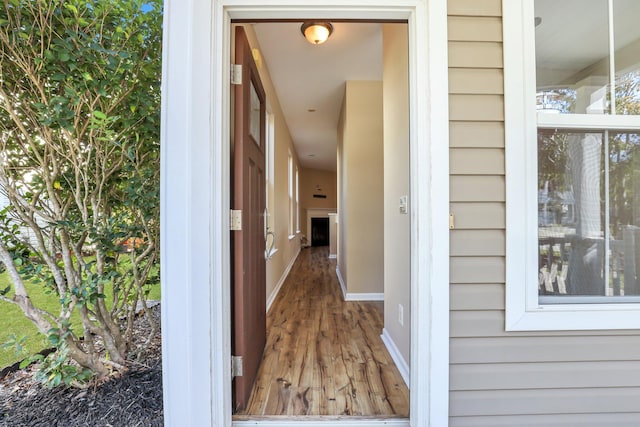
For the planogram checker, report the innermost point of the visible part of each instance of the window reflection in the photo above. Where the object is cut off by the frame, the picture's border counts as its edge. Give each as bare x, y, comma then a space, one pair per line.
588, 213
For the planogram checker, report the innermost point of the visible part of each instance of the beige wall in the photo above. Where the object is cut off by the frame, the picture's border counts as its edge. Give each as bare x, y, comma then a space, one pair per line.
315, 181
397, 226
341, 178
362, 188
500, 378
278, 189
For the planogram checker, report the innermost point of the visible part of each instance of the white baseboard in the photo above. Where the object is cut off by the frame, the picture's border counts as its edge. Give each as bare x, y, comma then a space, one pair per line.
364, 296
342, 284
356, 296
275, 292
401, 364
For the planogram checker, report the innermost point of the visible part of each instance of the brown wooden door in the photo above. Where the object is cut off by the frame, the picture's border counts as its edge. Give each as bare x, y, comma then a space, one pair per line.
248, 194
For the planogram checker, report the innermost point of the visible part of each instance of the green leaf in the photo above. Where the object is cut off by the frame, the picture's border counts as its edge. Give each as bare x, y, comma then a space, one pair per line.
99, 115
72, 8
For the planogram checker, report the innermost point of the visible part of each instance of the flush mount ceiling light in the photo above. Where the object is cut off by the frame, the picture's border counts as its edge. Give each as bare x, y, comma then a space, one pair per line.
316, 32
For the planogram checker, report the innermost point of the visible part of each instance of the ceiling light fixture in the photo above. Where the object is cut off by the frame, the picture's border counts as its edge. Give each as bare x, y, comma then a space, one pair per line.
316, 32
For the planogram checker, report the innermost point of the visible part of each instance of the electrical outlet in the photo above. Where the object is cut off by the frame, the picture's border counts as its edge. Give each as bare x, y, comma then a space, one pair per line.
401, 314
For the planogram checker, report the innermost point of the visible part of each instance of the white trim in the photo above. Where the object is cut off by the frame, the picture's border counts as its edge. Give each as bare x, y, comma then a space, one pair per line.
343, 285
394, 351
429, 147
276, 290
523, 309
188, 213
195, 201
587, 121
364, 296
356, 296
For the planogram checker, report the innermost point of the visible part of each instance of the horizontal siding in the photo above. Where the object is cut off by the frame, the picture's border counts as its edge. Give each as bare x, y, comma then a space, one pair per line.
551, 349
477, 188
510, 376
475, 7
483, 323
473, 134
477, 242
468, 28
479, 161
476, 270
476, 81
499, 378
485, 296
478, 215
475, 54
476, 107
549, 401
627, 419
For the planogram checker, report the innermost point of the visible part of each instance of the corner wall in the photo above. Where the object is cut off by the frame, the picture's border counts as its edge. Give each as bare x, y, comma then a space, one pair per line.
397, 226
362, 190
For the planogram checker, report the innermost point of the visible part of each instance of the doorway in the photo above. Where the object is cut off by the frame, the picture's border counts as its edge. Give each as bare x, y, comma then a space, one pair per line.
320, 231
196, 223
349, 73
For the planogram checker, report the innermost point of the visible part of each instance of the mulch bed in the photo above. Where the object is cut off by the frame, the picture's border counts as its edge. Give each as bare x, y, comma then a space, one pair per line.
132, 400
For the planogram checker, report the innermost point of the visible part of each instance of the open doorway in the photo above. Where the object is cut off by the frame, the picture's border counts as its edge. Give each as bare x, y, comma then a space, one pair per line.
195, 203
369, 347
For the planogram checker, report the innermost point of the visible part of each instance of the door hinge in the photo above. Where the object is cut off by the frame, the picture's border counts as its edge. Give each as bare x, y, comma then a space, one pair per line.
236, 366
235, 220
236, 74
452, 221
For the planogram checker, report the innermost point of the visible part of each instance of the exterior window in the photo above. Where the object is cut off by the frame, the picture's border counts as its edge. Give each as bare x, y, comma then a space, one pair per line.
573, 234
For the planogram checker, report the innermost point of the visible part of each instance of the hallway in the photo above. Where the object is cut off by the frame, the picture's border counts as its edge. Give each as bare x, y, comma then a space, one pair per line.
324, 356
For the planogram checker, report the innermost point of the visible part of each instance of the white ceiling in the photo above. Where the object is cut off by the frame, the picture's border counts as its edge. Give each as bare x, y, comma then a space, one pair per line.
312, 77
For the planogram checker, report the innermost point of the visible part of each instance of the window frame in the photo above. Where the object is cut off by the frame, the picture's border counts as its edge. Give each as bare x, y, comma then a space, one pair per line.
523, 311
290, 184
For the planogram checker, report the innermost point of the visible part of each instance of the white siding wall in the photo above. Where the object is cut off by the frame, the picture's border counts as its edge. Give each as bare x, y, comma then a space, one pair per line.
499, 378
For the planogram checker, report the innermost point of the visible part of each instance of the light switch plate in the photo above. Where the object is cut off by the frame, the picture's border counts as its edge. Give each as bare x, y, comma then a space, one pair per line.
404, 205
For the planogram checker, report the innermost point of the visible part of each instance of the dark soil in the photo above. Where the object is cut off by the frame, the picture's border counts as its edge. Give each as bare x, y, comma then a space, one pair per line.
132, 400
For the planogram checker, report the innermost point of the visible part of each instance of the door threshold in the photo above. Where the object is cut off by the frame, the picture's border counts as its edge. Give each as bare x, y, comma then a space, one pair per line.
320, 420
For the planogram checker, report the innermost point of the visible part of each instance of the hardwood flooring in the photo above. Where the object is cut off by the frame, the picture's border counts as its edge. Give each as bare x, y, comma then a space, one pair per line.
324, 356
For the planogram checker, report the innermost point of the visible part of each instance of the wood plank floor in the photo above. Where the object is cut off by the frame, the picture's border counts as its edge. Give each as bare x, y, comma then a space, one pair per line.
324, 356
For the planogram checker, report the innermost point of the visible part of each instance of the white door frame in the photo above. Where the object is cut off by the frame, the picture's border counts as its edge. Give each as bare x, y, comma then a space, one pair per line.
195, 203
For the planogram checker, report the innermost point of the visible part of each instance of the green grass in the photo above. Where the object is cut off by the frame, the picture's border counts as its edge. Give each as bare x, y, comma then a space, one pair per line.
13, 321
